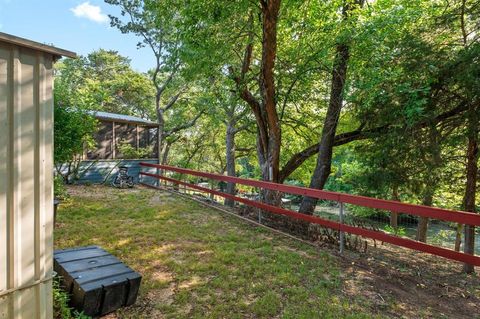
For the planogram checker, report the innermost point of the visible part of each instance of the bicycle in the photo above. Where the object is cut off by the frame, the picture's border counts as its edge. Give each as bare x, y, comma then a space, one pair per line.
123, 180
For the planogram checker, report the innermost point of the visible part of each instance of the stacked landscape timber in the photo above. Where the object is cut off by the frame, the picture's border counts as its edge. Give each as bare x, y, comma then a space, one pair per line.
97, 281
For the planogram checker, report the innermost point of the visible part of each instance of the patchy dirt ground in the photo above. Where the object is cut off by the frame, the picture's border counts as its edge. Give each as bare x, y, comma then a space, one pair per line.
199, 262
405, 283
412, 284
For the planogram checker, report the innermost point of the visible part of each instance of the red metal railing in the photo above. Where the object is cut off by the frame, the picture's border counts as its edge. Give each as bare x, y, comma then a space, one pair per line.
393, 206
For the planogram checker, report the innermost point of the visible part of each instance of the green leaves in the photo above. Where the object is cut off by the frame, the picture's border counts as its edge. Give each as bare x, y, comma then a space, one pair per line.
104, 81
116, 88
73, 129
411, 61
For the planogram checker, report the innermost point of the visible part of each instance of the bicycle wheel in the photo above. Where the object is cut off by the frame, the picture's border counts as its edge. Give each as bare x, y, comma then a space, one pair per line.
130, 182
116, 182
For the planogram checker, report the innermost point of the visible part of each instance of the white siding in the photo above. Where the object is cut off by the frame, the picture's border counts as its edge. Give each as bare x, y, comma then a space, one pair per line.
26, 192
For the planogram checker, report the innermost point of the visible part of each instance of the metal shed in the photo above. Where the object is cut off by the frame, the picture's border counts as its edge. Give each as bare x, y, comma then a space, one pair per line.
26, 186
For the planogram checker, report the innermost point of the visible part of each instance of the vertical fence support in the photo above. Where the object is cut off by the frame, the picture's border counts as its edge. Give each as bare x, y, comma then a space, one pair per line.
342, 234
259, 195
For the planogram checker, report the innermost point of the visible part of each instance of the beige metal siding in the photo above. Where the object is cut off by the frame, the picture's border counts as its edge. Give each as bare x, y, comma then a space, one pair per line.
26, 191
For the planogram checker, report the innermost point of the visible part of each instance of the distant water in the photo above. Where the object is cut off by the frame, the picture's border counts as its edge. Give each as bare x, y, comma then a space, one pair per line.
439, 233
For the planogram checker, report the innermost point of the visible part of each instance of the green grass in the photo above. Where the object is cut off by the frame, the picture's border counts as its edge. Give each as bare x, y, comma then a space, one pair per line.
197, 262
61, 309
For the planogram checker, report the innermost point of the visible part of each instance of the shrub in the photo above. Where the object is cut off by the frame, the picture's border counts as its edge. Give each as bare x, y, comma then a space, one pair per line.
130, 152
366, 212
73, 132
399, 231
59, 189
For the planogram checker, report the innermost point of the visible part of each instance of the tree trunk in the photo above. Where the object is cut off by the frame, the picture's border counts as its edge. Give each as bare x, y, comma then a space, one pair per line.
166, 153
394, 215
230, 159
422, 229
325, 150
160, 133
270, 10
324, 159
470, 189
422, 226
432, 160
264, 109
458, 237
160, 130
266, 116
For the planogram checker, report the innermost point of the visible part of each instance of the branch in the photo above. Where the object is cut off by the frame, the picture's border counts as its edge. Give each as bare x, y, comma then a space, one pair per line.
161, 88
241, 128
185, 125
244, 149
292, 85
157, 50
359, 134
247, 57
172, 101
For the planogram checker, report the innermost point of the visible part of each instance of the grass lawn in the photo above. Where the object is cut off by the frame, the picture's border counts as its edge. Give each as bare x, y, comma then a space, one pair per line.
197, 262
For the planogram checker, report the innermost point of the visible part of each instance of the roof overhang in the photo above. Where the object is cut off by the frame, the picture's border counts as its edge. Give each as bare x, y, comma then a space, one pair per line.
145, 124
56, 52
122, 118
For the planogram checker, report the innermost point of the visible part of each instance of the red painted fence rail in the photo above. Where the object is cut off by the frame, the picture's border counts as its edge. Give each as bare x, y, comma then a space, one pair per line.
418, 210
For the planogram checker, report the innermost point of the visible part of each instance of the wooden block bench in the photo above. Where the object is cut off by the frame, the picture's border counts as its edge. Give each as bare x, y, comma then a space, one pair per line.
97, 281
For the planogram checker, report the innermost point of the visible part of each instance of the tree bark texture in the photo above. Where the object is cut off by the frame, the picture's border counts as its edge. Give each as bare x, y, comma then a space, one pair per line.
394, 215
327, 141
165, 154
325, 149
471, 187
271, 141
265, 108
230, 159
422, 226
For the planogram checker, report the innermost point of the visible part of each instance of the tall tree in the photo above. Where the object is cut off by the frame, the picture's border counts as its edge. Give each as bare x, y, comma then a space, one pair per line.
265, 108
105, 81
235, 120
471, 185
327, 140
153, 22
469, 26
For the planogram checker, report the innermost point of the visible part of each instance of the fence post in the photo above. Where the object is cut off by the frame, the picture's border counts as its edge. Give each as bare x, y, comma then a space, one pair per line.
342, 235
258, 192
